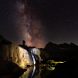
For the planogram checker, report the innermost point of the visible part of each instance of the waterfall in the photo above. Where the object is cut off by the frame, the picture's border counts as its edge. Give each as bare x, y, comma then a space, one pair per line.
34, 61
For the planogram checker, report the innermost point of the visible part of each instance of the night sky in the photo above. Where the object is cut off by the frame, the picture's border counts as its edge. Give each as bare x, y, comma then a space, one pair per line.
39, 21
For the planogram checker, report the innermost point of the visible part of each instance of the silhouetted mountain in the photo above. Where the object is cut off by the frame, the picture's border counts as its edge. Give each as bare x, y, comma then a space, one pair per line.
63, 51
73, 45
65, 45
3, 40
51, 45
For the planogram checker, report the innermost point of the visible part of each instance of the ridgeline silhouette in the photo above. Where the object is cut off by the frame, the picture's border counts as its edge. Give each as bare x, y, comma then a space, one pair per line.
60, 51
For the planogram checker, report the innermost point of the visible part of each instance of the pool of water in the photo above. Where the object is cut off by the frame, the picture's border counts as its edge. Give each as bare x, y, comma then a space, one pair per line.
67, 70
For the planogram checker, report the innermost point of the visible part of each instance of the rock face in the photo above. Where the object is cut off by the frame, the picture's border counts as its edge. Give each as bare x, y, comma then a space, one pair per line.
24, 57
14, 53
36, 52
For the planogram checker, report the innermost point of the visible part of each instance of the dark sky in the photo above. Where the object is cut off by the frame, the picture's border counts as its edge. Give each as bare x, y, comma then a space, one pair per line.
59, 19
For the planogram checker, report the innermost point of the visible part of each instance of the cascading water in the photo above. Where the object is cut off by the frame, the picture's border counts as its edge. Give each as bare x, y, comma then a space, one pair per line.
33, 58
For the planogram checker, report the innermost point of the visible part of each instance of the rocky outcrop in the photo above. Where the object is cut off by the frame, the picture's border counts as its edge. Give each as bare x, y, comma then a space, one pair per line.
12, 52
16, 54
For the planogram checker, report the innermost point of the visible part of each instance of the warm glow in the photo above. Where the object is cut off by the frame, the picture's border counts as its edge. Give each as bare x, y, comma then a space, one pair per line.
24, 58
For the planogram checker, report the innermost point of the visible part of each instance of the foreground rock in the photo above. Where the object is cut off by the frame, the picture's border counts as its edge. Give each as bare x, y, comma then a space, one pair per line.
12, 52
7, 67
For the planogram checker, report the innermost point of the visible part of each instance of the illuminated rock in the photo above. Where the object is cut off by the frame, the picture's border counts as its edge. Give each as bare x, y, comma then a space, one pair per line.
16, 54
25, 57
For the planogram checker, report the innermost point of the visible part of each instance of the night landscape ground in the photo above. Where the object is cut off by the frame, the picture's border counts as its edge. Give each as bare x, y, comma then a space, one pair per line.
58, 59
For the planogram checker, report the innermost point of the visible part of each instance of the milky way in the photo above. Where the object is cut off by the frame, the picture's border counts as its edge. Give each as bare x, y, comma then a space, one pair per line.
39, 21
29, 28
